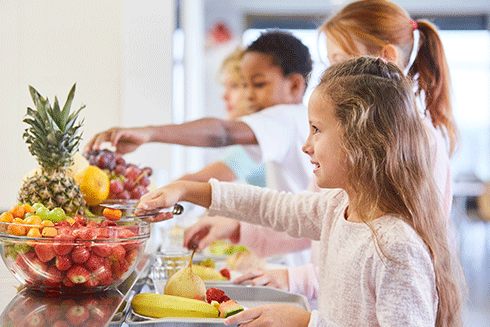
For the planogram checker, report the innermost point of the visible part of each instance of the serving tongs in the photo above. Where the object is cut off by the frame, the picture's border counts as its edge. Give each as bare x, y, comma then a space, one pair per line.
142, 214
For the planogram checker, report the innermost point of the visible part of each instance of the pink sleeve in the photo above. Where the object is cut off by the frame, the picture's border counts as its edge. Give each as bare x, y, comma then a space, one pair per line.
265, 242
304, 280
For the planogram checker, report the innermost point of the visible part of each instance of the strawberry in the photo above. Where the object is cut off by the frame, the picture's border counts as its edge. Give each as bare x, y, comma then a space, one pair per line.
44, 251
78, 274
80, 219
118, 253
67, 282
54, 275
225, 272
107, 223
215, 294
131, 256
91, 282
80, 254
63, 262
23, 259
125, 233
102, 250
63, 244
93, 224
103, 233
94, 262
37, 267
119, 268
77, 315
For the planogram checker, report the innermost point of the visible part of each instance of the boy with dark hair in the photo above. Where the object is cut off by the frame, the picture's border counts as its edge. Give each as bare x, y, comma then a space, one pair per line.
275, 69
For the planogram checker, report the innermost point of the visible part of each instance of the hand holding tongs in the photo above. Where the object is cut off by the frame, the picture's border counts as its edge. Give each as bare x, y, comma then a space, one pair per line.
142, 214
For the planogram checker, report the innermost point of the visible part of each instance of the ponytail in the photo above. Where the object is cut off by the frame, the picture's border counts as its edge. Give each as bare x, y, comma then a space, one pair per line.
433, 81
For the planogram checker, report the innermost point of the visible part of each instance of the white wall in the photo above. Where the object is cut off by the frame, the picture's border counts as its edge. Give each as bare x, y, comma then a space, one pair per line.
51, 44
118, 52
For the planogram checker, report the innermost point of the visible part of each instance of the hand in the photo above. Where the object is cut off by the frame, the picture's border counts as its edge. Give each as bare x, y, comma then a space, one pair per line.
271, 315
124, 139
210, 229
278, 278
164, 197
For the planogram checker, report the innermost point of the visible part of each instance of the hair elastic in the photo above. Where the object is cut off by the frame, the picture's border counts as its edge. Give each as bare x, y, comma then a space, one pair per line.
415, 26
415, 47
382, 59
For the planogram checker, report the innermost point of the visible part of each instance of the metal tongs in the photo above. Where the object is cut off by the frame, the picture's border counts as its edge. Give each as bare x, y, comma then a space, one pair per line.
176, 210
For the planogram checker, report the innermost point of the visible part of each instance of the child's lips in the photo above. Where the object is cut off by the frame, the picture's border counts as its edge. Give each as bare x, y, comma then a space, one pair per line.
316, 164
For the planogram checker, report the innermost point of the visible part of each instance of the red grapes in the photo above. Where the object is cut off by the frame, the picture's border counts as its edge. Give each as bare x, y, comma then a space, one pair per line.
128, 181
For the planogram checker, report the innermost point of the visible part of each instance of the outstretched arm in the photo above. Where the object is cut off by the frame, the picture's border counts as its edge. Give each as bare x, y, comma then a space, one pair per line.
205, 132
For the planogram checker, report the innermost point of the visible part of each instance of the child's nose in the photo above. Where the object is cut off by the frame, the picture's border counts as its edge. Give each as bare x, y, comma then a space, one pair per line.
306, 148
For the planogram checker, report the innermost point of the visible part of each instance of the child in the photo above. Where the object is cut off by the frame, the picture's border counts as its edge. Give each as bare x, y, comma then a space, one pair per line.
379, 28
385, 258
275, 69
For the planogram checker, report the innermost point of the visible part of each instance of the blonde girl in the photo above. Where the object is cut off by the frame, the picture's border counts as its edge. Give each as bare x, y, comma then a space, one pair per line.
384, 257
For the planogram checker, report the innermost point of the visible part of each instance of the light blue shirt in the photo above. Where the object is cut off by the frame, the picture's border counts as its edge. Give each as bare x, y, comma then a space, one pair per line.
244, 168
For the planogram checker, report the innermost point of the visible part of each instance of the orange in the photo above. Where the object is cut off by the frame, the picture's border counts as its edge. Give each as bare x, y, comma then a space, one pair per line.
94, 184
17, 211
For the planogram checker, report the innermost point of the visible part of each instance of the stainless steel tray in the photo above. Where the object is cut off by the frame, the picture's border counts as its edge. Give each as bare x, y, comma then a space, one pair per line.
246, 296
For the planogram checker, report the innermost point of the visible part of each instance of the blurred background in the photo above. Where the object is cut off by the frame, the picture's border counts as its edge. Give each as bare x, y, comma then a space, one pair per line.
141, 62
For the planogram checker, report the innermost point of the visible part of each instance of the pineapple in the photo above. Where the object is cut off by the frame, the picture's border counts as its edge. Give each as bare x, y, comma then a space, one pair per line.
53, 138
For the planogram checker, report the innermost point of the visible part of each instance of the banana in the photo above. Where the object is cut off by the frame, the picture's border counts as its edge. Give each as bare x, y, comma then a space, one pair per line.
161, 306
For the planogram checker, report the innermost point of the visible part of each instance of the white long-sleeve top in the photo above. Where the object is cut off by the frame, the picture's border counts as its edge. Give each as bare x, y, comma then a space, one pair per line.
358, 286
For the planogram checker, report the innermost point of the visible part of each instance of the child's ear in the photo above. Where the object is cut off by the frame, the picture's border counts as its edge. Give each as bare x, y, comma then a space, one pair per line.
390, 53
297, 85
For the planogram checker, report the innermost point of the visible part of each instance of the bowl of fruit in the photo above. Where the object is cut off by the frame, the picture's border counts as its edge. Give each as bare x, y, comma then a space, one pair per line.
49, 252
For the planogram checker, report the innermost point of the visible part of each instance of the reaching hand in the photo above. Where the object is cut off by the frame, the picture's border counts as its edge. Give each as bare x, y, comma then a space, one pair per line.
271, 315
124, 139
164, 197
278, 278
210, 229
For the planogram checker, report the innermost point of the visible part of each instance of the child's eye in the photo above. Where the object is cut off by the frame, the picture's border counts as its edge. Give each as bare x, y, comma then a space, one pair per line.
314, 129
259, 85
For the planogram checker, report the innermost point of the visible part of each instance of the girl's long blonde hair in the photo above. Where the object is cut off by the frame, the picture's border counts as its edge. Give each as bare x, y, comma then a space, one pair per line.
389, 163
376, 23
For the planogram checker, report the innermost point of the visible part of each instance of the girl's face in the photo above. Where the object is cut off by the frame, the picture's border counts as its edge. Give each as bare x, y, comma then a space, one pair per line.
264, 83
324, 144
234, 96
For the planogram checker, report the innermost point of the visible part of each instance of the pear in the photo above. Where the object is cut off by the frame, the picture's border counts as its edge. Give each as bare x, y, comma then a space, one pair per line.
186, 283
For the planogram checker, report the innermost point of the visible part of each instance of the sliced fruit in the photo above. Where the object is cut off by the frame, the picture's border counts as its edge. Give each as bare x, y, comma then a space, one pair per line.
229, 308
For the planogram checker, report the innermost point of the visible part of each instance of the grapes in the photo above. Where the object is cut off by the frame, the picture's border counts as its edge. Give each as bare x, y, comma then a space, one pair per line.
144, 180
42, 212
120, 170
128, 181
57, 214
124, 195
116, 186
138, 191
132, 172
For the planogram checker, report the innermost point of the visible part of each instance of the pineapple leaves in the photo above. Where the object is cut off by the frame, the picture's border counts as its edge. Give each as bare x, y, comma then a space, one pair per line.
53, 135
66, 108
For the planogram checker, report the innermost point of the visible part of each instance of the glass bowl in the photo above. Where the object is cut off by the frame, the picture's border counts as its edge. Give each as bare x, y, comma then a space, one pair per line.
84, 257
